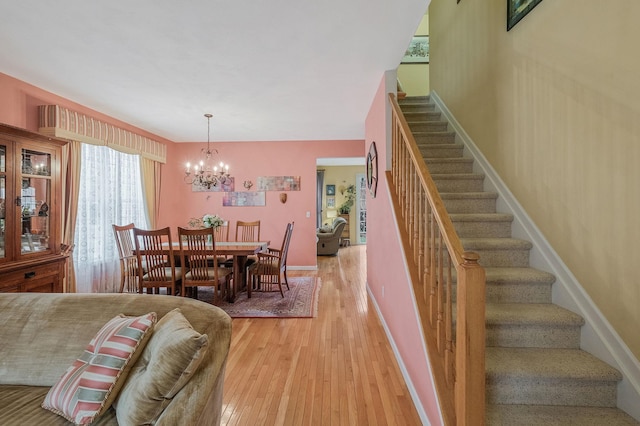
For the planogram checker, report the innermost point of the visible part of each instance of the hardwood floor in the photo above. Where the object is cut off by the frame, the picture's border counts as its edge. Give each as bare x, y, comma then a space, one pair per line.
336, 369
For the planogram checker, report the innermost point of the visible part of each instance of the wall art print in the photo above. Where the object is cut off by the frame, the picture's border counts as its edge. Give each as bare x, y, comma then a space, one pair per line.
278, 183
517, 9
244, 199
418, 51
225, 187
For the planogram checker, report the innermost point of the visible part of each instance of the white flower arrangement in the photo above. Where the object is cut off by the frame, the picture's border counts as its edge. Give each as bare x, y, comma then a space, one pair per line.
212, 221
207, 221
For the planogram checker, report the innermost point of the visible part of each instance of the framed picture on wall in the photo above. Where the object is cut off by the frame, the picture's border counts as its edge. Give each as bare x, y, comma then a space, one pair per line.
331, 202
517, 9
331, 190
418, 51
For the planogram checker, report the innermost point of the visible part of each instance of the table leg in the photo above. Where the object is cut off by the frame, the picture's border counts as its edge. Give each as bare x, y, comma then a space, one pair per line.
239, 277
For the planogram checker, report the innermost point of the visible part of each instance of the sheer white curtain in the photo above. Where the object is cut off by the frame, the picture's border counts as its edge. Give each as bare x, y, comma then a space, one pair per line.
110, 192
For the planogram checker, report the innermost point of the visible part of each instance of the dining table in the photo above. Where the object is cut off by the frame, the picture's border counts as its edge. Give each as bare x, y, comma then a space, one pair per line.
240, 251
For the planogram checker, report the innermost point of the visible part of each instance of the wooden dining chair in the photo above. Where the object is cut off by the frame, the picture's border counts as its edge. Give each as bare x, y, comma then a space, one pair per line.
198, 260
222, 234
222, 231
155, 252
248, 231
128, 260
271, 267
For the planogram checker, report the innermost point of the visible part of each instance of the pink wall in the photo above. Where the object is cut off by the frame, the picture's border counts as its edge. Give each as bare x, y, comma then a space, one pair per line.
248, 160
19, 107
386, 270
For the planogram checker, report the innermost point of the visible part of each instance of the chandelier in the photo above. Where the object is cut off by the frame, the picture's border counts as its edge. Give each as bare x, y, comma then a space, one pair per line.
202, 174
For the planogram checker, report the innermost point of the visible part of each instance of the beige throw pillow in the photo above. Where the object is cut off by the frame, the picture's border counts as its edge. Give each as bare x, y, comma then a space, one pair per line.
169, 360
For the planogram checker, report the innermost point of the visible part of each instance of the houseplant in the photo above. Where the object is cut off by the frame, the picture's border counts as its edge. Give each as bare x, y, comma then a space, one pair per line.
350, 196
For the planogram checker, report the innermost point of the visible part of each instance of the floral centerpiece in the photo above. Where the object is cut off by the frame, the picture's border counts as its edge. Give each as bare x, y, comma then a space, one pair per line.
212, 221
207, 221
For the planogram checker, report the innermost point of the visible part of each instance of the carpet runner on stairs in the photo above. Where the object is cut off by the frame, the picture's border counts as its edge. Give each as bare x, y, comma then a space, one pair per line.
536, 373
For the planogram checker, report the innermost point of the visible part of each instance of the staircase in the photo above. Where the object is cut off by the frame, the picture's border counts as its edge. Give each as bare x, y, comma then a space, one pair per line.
536, 373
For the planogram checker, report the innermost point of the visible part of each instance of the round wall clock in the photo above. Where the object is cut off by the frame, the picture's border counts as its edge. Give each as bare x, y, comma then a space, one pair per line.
372, 169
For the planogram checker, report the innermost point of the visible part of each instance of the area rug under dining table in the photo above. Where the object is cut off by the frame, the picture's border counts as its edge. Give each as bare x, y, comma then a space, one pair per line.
301, 301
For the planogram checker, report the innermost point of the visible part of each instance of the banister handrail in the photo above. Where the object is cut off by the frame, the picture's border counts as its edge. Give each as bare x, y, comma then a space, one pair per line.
441, 216
436, 258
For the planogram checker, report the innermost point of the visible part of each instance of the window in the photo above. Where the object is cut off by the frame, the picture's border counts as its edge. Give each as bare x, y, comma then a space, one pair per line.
110, 192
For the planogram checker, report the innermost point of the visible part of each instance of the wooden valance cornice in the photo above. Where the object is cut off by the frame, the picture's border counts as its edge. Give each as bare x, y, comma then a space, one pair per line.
61, 122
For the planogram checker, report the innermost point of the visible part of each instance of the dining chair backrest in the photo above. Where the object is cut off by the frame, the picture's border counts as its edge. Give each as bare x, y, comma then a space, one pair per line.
248, 231
222, 231
124, 239
199, 261
128, 260
155, 251
195, 251
285, 245
271, 267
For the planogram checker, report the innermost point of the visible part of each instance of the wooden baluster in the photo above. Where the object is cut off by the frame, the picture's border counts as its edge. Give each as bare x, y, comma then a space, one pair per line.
449, 355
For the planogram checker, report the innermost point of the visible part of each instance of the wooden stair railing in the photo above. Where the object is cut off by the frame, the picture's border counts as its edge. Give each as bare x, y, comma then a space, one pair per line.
456, 346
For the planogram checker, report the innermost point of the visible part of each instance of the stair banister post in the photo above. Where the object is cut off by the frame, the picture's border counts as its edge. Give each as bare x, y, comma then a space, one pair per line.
470, 342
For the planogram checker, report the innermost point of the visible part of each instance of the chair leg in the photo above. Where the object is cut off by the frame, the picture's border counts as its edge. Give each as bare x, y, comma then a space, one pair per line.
280, 286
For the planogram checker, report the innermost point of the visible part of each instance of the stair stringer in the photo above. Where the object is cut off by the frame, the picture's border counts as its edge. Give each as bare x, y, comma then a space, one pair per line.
597, 336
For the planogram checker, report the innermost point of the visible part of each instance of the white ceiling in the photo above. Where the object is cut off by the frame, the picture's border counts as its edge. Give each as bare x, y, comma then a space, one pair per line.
266, 70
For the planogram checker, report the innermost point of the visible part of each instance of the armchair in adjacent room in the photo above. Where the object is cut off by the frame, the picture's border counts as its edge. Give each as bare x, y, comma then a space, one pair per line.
329, 237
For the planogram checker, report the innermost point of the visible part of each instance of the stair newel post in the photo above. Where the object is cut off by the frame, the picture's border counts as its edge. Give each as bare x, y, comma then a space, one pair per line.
470, 342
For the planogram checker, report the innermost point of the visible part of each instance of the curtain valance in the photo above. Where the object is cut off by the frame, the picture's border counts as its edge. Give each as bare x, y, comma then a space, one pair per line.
58, 121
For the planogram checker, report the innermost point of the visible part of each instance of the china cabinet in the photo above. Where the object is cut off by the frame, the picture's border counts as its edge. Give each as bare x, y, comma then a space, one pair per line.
30, 220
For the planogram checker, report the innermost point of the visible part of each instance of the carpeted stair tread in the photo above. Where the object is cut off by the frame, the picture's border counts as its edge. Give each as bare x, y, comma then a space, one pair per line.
550, 415
547, 363
428, 126
457, 176
426, 148
483, 217
417, 107
449, 165
448, 160
497, 275
495, 244
469, 202
425, 115
531, 314
415, 100
433, 134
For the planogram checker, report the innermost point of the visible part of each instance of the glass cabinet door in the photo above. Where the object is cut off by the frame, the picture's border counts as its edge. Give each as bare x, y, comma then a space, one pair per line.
3, 199
35, 198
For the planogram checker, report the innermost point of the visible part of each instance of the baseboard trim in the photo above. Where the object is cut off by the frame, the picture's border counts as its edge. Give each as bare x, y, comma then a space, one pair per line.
302, 268
598, 336
405, 374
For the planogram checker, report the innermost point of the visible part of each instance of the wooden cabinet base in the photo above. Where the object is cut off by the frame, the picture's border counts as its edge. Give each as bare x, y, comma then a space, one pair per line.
44, 275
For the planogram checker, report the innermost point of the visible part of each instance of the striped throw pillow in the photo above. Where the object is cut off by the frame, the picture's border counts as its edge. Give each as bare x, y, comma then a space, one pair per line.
90, 385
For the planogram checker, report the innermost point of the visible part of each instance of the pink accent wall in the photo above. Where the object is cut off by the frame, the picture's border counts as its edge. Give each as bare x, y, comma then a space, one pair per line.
248, 160
386, 267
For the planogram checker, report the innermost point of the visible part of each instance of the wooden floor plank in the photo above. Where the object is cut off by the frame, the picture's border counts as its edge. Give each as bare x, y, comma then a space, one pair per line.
337, 368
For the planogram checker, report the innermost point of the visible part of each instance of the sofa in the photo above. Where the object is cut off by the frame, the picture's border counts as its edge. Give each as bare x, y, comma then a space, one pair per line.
329, 237
42, 334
